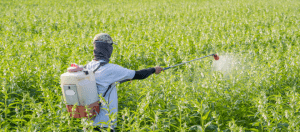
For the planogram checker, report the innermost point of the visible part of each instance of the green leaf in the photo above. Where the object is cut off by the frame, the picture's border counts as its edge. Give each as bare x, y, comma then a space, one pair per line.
2, 104
253, 129
196, 127
205, 116
17, 120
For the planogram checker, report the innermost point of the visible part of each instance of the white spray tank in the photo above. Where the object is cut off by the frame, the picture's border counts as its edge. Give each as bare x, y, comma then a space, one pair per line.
79, 87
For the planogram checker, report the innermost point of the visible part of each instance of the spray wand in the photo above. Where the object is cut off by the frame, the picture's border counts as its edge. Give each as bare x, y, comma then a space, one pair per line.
216, 57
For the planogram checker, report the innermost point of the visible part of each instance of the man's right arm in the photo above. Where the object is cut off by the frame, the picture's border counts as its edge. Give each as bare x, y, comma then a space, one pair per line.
142, 74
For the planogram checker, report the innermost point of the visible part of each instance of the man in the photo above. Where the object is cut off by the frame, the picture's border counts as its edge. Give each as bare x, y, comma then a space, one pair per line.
107, 74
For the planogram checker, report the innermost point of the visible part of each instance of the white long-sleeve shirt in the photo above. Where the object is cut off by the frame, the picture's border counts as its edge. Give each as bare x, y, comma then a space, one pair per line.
106, 75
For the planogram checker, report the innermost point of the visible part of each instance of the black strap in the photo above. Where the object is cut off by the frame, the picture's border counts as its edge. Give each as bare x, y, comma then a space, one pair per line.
107, 90
101, 64
105, 93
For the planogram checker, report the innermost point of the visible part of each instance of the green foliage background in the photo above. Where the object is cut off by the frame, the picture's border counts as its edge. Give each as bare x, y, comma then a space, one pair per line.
40, 39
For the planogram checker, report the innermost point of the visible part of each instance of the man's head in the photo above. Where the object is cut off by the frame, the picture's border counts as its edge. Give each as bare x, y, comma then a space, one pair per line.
102, 47
104, 37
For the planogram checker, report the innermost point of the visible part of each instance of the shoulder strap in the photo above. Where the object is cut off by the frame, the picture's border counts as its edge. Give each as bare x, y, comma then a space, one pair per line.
100, 64
107, 90
105, 93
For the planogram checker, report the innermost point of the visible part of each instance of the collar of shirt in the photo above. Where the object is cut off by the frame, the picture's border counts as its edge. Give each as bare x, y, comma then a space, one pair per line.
99, 60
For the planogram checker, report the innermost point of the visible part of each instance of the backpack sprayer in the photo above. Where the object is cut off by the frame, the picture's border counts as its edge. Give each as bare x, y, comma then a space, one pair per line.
79, 88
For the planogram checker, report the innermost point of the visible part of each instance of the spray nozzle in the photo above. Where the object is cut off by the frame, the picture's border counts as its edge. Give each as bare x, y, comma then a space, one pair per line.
216, 57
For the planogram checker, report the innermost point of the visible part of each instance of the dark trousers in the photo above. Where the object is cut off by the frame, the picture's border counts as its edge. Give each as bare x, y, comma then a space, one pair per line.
99, 129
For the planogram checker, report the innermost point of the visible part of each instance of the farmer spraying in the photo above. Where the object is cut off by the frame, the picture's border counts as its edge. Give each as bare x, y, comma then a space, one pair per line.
81, 86
106, 76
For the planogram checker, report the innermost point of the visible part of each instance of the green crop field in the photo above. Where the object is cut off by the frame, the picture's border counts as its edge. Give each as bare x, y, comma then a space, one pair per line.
39, 40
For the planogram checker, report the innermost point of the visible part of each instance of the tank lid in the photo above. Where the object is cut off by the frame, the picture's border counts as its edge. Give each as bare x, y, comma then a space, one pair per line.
74, 68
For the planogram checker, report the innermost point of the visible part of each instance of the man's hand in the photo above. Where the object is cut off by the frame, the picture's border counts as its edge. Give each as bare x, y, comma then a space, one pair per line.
158, 69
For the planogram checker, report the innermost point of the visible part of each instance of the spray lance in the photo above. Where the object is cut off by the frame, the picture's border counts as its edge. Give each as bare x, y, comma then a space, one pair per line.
216, 57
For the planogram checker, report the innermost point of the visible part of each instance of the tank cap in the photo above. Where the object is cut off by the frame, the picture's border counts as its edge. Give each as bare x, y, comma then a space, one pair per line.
74, 68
